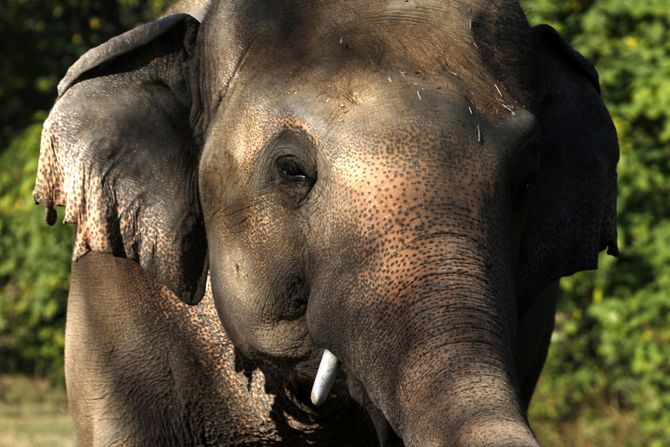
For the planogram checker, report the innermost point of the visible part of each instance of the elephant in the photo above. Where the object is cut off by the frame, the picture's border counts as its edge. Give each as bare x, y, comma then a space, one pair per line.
388, 189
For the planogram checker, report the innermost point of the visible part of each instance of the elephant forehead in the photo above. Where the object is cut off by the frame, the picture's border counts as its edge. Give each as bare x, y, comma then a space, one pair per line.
473, 41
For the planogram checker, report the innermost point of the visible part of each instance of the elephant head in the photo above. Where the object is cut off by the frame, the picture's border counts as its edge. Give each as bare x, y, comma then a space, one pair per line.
395, 182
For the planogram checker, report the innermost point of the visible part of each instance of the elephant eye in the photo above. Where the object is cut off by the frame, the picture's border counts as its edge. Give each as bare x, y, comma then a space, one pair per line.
289, 168
291, 171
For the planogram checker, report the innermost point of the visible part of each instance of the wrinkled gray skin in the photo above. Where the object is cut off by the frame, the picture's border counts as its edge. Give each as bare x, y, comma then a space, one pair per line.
399, 182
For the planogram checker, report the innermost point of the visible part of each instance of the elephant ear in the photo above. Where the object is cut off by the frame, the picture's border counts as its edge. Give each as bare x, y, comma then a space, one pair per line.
118, 152
572, 208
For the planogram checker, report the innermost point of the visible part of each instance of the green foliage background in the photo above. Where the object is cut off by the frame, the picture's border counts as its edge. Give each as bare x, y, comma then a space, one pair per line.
609, 366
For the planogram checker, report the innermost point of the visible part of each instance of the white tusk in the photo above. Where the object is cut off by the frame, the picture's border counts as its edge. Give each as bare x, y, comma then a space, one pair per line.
325, 377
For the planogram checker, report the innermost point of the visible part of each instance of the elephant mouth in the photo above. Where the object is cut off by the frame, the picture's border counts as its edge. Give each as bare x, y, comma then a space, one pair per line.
342, 411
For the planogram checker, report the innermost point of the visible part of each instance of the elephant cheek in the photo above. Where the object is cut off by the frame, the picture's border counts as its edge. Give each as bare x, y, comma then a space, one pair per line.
226, 300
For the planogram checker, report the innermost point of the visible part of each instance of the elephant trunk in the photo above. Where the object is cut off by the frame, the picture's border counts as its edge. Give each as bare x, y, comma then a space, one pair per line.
433, 352
452, 379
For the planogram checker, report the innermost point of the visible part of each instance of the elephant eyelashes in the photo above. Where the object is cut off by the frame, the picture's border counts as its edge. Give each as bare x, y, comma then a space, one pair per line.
291, 171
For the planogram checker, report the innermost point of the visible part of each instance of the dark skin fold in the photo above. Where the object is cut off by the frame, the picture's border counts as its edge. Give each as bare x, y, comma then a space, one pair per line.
400, 183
